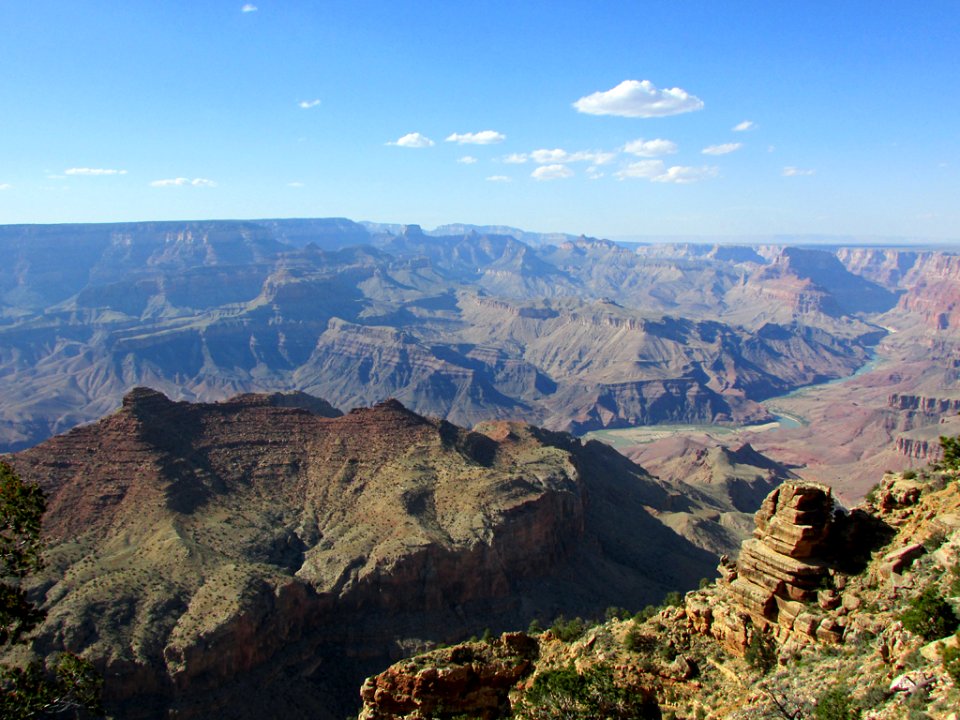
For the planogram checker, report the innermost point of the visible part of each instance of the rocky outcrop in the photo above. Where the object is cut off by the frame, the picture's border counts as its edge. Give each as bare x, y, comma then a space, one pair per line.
924, 404
471, 680
785, 581
201, 551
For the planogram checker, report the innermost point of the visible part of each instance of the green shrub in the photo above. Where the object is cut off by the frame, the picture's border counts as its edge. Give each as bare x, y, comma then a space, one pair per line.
568, 630
951, 453
565, 693
951, 662
761, 653
643, 615
929, 616
836, 704
673, 599
909, 474
616, 613
534, 628
639, 642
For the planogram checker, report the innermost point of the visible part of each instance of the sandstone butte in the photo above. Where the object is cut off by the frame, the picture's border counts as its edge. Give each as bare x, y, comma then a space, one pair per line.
821, 587
260, 556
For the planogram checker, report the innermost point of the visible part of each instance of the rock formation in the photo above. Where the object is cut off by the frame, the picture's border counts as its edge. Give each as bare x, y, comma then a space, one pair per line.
200, 553
850, 641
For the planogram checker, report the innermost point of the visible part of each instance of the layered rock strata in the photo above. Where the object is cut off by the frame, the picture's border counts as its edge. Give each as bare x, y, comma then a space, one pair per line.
780, 575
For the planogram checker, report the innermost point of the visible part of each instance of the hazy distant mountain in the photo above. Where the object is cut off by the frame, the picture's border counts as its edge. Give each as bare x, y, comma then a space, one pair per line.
578, 335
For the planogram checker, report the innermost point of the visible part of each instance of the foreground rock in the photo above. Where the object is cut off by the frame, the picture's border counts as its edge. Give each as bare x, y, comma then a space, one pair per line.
258, 558
738, 650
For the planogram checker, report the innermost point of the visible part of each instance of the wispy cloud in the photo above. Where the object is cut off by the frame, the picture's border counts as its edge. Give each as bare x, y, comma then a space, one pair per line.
93, 171
650, 148
484, 137
515, 159
558, 155
295, 184
744, 126
646, 169
6, 186
248, 8
639, 98
500, 178
594, 173
307, 104
656, 171
467, 160
182, 181
791, 171
552, 172
413, 140
724, 149
683, 175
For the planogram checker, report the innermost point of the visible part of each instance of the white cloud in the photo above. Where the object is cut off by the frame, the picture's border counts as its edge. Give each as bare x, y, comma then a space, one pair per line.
295, 184
647, 169
5, 186
557, 155
633, 98
744, 126
467, 160
500, 178
515, 159
791, 171
656, 171
593, 172
650, 148
93, 171
248, 8
552, 172
549, 156
723, 149
683, 175
484, 137
307, 104
182, 181
413, 140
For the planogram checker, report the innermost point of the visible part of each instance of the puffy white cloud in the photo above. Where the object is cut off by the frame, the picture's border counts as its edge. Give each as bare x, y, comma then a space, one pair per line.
307, 104
682, 174
593, 172
650, 148
248, 8
656, 171
5, 186
467, 160
552, 172
484, 137
557, 155
182, 181
500, 178
639, 98
791, 171
93, 171
723, 149
647, 169
515, 159
744, 126
413, 140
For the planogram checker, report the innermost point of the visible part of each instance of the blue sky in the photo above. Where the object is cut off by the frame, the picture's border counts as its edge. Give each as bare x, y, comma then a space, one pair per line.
610, 119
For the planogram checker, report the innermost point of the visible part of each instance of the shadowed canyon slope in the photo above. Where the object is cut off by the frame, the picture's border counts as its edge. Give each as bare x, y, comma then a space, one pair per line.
202, 552
569, 333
